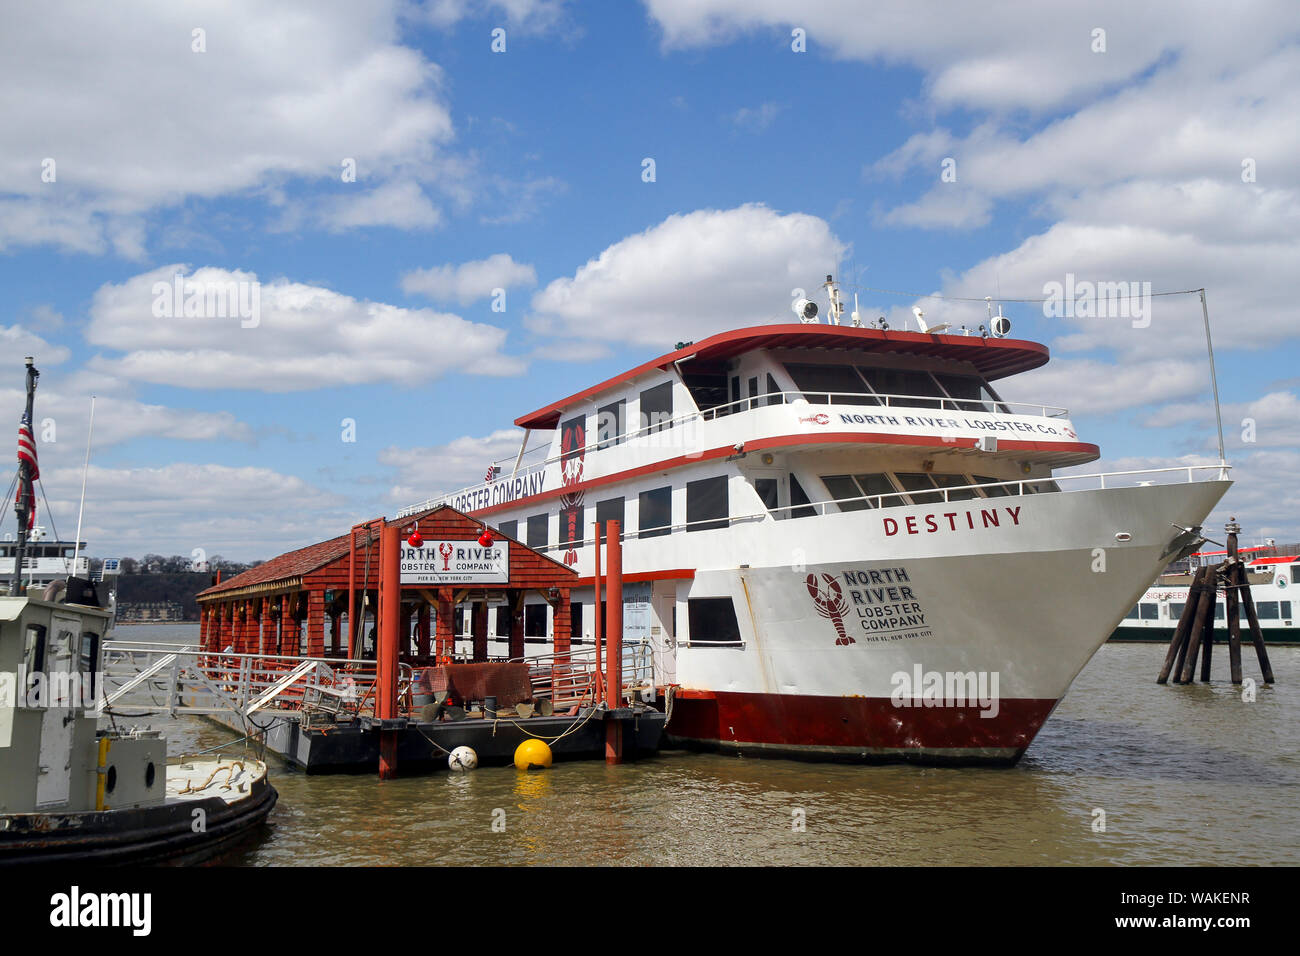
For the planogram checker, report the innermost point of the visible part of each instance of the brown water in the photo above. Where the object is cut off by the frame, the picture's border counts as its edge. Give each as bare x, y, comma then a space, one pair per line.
1185, 775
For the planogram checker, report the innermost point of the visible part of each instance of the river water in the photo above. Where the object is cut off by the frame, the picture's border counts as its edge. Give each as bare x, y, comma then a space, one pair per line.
1183, 775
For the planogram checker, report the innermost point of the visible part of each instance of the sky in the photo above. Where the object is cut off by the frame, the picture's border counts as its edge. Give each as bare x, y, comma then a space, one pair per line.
457, 211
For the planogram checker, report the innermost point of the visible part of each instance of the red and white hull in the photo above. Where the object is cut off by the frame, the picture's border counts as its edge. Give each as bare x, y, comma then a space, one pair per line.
1020, 607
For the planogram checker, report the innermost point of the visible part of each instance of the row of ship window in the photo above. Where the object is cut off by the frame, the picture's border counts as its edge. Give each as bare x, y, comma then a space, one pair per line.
711, 616
835, 384
1265, 610
708, 506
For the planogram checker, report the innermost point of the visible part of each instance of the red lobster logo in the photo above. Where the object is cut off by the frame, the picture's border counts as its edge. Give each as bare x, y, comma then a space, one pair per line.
819, 419
830, 603
445, 550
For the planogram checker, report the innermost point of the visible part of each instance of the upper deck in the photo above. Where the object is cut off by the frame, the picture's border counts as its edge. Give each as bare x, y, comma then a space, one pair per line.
787, 388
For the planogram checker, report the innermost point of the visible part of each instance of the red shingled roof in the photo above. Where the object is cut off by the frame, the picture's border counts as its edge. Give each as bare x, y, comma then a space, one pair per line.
292, 564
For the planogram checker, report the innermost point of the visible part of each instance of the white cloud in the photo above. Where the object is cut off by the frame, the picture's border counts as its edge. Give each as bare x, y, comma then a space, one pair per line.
1090, 387
756, 118
17, 341
530, 16
135, 120
689, 276
401, 205
178, 507
455, 465
306, 337
469, 281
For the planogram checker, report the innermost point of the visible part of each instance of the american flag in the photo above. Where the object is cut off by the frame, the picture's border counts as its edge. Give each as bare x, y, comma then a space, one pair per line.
27, 453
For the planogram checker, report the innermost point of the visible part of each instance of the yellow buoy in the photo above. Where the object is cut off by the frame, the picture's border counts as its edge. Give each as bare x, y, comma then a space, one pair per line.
533, 754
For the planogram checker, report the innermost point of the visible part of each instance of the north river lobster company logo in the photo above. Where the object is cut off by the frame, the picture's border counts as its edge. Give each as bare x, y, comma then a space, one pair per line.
573, 440
829, 601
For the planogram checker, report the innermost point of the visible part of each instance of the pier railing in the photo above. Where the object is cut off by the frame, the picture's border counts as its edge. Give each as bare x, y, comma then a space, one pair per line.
182, 679
569, 677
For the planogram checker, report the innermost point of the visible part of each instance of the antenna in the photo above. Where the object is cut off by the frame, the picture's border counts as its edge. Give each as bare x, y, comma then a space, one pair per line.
837, 307
81, 509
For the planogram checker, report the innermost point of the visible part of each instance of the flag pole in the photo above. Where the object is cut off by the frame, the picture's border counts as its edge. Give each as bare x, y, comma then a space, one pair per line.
76, 547
25, 502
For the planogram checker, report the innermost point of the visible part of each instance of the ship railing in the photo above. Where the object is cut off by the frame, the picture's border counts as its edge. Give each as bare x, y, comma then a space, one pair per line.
570, 677
993, 490
791, 397
179, 679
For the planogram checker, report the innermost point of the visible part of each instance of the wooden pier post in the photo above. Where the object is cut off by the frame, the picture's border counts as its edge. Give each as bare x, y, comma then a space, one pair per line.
1185, 620
614, 640
1257, 636
386, 644
1186, 664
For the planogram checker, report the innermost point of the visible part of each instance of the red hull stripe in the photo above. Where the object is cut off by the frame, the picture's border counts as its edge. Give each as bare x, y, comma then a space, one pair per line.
852, 723
1086, 450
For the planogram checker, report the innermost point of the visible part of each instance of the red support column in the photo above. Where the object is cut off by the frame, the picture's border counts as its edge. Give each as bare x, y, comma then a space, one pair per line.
614, 641
316, 623
265, 628
446, 634
203, 627
422, 629
516, 610
386, 650
354, 638
598, 610
478, 629
287, 624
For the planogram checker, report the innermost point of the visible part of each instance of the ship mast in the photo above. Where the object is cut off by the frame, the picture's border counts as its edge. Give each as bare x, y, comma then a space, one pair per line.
25, 502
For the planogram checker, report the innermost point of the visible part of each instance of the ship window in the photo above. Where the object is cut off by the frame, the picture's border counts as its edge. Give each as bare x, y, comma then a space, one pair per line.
1149, 612
510, 529
772, 388
538, 531
655, 512
89, 654
713, 621
1286, 609
799, 498
1267, 611
575, 622
997, 491
34, 649
611, 509
753, 392
503, 621
534, 620
1176, 610
768, 492
708, 389
819, 383
955, 483
970, 393
846, 491
920, 487
706, 500
1133, 614
1220, 612
909, 388
609, 423
657, 407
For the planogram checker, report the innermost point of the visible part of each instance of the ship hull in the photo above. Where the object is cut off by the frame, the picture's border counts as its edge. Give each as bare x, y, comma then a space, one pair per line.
953, 649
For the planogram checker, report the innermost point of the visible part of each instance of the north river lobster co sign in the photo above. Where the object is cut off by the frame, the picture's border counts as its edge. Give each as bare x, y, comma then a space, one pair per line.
456, 562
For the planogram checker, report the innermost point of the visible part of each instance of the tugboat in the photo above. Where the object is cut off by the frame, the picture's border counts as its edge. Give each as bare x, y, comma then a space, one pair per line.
70, 791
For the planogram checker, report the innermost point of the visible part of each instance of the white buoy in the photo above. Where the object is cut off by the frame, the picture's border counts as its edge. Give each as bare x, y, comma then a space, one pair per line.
462, 759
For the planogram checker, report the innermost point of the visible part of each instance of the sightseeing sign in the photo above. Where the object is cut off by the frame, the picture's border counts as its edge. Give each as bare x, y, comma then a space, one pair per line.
456, 562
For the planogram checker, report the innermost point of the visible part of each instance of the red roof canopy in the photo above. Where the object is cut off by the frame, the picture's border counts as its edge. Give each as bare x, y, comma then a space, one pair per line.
994, 358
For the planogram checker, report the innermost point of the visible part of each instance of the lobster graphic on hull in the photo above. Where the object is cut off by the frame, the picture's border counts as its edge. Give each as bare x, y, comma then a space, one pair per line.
829, 601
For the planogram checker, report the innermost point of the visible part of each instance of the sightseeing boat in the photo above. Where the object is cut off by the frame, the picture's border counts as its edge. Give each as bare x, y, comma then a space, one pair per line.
840, 541
1272, 579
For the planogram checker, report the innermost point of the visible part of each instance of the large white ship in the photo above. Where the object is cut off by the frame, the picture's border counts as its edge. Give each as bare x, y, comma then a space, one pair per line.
840, 541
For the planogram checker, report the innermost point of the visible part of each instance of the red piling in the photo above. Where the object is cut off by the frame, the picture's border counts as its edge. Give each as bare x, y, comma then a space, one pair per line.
598, 634
614, 641
386, 650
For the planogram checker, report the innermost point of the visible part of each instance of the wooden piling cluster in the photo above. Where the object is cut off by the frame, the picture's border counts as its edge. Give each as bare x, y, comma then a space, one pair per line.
1194, 635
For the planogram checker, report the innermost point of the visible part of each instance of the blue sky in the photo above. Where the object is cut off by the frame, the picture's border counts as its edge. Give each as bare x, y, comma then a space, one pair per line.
1168, 155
